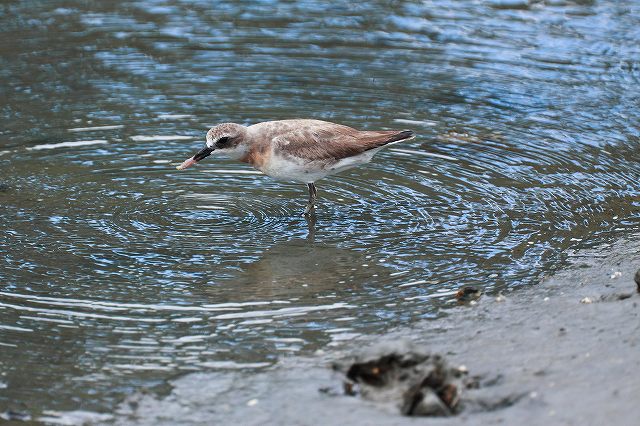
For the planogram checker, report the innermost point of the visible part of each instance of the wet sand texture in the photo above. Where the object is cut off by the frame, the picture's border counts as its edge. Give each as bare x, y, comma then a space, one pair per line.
539, 357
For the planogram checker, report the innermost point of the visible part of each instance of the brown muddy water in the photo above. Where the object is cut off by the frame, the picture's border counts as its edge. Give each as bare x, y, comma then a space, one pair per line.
118, 272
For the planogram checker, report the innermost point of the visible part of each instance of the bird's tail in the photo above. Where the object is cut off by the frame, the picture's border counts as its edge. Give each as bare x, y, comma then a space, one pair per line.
401, 136
378, 139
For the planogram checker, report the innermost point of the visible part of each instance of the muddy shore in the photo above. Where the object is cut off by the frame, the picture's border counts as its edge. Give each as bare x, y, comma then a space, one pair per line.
566, 351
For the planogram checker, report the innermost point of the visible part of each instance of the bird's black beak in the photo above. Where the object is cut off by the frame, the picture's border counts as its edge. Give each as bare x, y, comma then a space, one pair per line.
203, 153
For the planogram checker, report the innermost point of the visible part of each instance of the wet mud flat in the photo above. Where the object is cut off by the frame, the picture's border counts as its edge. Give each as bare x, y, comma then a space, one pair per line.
566, 351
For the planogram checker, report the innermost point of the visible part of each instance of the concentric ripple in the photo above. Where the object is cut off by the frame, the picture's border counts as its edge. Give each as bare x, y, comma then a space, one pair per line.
119, 271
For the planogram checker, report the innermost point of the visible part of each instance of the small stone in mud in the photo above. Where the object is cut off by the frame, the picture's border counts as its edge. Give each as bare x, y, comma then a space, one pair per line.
419, 384
329, 390
468, 294
637, 279
586, 300
4, 187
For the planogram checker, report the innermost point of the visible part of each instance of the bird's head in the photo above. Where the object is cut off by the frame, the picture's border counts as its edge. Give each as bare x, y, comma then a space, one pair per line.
225, 139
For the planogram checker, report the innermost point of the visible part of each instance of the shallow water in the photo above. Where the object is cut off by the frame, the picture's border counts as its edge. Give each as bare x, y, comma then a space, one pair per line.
119, 272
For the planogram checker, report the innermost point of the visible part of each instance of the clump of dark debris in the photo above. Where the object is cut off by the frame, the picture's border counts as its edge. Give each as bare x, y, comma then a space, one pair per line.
468, 295
418, 384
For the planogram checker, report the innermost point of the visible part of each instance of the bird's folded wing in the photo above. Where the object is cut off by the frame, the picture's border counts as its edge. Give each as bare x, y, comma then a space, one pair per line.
333, 143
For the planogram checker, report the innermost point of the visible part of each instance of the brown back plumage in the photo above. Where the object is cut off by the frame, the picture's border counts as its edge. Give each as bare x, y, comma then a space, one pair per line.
322, 140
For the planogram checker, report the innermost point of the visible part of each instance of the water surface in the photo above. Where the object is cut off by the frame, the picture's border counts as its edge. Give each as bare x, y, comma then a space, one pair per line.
117, 272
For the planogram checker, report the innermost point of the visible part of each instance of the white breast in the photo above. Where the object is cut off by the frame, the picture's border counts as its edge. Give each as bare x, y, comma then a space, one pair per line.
299, 170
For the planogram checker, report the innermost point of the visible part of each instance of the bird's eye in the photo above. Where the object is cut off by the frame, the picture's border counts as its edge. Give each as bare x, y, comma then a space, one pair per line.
222, 142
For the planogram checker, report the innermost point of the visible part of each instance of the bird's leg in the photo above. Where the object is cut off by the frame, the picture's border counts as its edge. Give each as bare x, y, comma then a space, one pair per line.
311, 225
313, 195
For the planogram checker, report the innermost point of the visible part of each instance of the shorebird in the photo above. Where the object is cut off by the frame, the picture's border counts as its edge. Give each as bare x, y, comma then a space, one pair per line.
299, 150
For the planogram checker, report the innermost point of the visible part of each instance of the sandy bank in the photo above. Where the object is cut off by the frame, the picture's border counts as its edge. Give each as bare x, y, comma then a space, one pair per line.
541, 357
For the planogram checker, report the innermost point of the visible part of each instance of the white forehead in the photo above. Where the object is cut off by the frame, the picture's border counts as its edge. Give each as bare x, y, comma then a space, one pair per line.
213, 136
223, 130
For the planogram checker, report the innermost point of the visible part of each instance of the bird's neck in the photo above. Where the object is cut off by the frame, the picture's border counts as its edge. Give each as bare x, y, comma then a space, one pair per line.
257, 155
